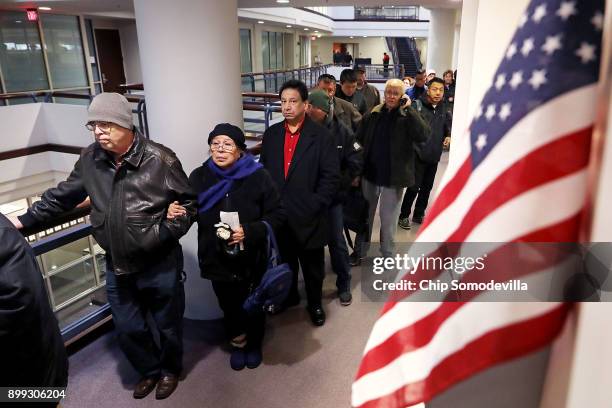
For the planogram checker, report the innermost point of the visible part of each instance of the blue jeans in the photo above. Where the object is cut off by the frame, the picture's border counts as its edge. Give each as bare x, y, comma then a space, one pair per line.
338, 250
160, 292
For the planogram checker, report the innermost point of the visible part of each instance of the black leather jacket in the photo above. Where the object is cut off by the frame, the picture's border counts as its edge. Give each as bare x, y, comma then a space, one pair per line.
128, 202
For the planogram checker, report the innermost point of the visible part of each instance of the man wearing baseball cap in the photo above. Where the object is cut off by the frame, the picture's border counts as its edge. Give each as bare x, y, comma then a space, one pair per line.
131, 181
351, 163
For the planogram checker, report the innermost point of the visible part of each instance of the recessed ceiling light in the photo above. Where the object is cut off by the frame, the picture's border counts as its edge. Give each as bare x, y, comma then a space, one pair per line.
319, 35
44, 8
365, 36
260, 22
282, 1
305, 29
351, 36
18, 21
316, 31
288, 26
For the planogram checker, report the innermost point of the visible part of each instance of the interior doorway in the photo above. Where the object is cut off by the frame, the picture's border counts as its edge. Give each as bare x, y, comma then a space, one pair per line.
108, 43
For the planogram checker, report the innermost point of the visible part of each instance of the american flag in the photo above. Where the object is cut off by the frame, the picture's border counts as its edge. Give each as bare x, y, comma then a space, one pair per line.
521, 178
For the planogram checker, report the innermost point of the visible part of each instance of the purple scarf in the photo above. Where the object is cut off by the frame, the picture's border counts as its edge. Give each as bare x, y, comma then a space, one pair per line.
244, 167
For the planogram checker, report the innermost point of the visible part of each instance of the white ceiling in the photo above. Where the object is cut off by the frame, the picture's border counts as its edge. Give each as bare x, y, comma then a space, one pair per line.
126, 7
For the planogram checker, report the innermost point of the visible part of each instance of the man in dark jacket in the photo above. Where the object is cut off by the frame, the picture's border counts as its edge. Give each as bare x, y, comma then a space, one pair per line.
131, 181
437, 114
347, 88
31, 347
387, 135
351, 162
346, 113
301, 158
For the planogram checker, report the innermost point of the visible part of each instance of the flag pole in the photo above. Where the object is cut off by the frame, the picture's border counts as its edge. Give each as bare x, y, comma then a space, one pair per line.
600, 126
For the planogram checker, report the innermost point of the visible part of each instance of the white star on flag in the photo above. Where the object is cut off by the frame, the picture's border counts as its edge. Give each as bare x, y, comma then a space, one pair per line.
478, 112
527, 46
490, 112
500, 82
481, 142
538, 78
511, 51
567, 9
524, 19
586, 52
517, 79
505, 111
539, 13
552, 44
597, 21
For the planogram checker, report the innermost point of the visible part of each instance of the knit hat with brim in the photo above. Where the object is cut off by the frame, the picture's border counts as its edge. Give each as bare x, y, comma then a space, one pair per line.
319, 99
111, 107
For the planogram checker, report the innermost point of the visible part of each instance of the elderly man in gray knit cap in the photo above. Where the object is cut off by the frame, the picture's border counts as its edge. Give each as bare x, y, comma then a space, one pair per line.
131, 181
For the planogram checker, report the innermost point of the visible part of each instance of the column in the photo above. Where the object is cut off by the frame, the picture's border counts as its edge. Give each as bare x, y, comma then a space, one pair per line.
191, 72
441, 40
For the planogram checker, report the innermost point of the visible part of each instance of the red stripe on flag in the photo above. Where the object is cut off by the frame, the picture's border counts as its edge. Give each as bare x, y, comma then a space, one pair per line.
495, 347
550, 162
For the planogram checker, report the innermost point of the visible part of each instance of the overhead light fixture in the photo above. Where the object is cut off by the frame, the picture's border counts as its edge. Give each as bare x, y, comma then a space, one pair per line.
44, 8
351, 36
282, 1
316, 31
365, 36
305, 29
318, 35
18, 21
288, 26
260, 22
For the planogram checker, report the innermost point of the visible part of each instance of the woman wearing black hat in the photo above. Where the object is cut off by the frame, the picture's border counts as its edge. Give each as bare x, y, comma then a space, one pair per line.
234, 260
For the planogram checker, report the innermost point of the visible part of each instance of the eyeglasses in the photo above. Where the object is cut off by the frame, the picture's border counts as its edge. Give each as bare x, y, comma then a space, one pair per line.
227, 147
103, 126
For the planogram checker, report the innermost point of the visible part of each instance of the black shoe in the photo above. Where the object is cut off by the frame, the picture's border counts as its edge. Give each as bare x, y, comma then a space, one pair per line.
317, 315
418, 219
145, 386
354, 259
345, 298
404, 223
253, 357
166, 386
237, 359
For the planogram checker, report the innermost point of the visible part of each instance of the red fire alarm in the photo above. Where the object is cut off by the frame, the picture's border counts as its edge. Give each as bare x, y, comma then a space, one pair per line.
32, 14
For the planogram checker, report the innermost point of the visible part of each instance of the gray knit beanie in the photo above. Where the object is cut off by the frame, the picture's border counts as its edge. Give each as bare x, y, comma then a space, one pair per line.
111, 107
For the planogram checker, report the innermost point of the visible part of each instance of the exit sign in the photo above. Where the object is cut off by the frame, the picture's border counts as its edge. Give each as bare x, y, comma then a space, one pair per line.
32, 14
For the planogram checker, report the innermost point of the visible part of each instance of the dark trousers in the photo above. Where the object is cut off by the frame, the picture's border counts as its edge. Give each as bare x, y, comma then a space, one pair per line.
159, 292
425, 174
312, 262
231, 296
338, 250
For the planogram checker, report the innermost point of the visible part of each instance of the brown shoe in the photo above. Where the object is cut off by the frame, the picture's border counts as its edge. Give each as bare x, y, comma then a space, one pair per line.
166, 386
145, 386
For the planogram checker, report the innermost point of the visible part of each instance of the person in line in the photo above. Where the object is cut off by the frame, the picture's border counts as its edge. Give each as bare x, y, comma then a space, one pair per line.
339, 108
419, 88
230, 180
369, 93
351, 163
436, 113
31, 347
449, 88
431, 74
386, 58
387, 135
347, 88
131, 181
302, 160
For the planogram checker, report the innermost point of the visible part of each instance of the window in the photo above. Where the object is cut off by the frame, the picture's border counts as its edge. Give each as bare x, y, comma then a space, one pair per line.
64, 51
245, 50
272, 50
21, 57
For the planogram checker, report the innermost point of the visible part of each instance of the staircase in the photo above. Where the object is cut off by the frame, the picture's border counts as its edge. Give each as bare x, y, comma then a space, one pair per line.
407, 54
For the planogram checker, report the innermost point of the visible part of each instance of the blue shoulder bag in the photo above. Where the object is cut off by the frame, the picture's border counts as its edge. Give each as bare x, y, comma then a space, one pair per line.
275, 283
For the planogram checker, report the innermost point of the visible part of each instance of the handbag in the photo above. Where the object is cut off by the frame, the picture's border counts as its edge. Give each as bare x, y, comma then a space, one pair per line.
275, 283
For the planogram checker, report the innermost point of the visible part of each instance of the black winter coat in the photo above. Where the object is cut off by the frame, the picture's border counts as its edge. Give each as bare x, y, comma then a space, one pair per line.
32, 351
439, 120
255, 198
408, 129
350, 157
312, 180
